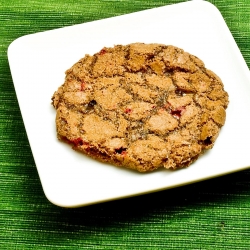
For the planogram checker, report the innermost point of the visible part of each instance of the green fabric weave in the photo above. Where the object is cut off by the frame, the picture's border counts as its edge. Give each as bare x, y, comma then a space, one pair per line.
213, 214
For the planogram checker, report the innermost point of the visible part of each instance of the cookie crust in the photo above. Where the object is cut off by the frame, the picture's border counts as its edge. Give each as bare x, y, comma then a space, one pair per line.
141, 106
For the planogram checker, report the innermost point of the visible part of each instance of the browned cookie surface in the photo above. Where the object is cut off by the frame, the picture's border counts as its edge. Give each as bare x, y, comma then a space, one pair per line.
141, 106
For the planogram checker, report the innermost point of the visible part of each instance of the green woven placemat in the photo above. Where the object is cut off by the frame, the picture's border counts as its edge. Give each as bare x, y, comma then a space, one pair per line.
214, 214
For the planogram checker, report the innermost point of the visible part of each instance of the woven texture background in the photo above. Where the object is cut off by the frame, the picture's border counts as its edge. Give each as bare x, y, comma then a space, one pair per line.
214, 214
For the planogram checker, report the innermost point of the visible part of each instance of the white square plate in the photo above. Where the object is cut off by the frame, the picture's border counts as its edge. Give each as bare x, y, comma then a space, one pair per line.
38, 62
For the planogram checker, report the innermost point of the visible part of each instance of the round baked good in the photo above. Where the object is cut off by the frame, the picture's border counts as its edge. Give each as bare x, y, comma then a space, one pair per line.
141, 106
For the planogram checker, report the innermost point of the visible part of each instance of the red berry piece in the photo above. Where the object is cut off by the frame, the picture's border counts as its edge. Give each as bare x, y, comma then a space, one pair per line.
77, 142
83, 86
103, 51
177, 113
128, 110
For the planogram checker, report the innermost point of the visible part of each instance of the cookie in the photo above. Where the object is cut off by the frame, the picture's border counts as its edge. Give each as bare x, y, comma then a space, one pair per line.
141, 106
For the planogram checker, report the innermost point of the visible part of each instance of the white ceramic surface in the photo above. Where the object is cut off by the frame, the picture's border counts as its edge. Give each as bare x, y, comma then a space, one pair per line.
38, 62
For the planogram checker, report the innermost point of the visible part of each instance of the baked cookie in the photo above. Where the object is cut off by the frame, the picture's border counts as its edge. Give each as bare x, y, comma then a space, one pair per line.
141, 106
